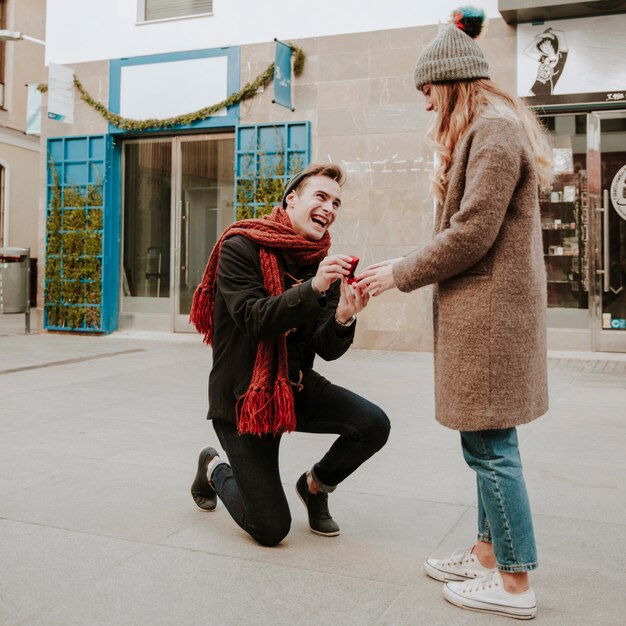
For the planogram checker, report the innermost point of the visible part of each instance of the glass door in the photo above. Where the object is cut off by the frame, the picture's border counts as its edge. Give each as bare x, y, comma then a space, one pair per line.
204, 201
606, 165
147, 201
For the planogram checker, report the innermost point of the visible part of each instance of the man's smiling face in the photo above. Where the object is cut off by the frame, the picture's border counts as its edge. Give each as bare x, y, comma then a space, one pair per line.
313, 207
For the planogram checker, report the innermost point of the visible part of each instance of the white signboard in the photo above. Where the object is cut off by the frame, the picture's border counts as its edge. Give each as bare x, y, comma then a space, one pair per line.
61, 93
618, 192
33, 111
161, 90
559, 61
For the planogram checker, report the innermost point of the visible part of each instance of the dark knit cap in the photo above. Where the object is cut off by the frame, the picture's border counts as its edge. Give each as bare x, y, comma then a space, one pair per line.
293, 182
452, 56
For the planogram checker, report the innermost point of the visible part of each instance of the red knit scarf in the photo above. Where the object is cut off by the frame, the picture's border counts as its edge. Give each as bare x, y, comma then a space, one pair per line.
268, 404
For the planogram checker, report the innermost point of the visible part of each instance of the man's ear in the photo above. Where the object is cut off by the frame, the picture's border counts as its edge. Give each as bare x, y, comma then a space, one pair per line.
290, 199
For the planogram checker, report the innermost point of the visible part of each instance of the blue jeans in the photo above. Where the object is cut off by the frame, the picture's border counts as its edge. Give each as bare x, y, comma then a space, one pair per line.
504, 517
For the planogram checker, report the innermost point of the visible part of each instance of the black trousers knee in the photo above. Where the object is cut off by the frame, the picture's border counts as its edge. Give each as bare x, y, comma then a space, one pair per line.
250, 487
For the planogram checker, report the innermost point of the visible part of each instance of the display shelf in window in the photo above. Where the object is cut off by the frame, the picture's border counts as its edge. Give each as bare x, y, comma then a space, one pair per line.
563, 225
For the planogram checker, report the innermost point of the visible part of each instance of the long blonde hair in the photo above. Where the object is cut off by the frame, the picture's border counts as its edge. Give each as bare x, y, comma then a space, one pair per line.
458, 104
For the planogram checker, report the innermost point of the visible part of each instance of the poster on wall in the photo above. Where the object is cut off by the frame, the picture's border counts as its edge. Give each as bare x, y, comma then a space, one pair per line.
572, 61
33, 110
61, 93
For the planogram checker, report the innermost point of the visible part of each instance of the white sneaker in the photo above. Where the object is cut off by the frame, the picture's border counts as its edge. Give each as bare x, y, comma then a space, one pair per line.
460, 566
487, 594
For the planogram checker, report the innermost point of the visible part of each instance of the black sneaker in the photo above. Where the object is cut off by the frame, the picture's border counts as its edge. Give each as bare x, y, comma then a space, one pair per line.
316, 505
201, 491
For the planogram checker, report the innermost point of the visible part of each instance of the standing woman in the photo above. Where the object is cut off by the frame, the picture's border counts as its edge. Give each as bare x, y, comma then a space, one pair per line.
486, 263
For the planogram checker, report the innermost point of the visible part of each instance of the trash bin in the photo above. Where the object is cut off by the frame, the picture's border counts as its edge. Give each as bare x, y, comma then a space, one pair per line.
13, 279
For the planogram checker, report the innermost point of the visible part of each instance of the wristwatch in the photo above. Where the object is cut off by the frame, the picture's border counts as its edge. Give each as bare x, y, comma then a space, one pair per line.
345, 324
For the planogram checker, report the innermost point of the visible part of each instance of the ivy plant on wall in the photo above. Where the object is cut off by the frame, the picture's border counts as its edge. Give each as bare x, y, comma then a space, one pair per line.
73, 277
263, 176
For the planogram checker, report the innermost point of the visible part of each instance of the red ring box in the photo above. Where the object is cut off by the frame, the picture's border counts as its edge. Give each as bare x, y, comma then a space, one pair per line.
354, 261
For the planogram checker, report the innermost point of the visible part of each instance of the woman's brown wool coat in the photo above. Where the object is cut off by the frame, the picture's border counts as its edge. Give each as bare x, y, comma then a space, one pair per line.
486, 260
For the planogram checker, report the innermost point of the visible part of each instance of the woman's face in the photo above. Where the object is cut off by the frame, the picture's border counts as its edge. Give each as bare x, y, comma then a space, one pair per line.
427, 93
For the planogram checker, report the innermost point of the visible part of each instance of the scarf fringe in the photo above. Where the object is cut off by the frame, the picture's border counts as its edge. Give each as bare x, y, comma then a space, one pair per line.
263, 412
201, 315
284, 406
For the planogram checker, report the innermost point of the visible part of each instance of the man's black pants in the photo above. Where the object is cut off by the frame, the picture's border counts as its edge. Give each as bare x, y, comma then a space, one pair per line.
250, 487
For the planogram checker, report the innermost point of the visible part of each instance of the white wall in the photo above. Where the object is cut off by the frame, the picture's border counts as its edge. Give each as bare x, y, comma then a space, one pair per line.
93, 30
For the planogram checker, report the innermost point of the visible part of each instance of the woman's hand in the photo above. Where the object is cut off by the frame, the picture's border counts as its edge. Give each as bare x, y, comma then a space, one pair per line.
377, 278
331, 269
352, 300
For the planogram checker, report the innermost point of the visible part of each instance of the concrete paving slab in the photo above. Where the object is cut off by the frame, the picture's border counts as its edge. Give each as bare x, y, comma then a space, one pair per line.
97, 456
41, 566
62, 400
24, 468
165, 586
580, 571
571, 585
606, 396
418, 604
576, 491
584, 441
114, 500
86, 437
388, 547
187, 413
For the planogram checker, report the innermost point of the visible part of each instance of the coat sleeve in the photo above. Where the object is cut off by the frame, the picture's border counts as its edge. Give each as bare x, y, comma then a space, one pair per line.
491, 176
258, 315
331, 341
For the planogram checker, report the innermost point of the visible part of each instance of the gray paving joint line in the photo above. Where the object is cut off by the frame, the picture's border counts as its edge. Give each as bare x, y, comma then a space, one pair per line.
80, 359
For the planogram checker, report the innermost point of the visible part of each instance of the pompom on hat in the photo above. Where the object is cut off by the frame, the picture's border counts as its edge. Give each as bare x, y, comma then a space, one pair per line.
454, 55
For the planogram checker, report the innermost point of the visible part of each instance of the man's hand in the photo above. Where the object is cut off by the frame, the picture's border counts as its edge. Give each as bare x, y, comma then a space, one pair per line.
331, 269
352, 300
378, 278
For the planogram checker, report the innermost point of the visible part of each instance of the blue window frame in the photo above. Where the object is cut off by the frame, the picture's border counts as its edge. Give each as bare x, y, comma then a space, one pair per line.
267, 155
232, 84
82, 237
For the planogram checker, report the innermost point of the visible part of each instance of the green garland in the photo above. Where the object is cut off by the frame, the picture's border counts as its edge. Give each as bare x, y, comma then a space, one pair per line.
245, 93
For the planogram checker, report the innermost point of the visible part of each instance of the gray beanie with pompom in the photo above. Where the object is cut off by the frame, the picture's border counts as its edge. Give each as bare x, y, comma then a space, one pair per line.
452, 56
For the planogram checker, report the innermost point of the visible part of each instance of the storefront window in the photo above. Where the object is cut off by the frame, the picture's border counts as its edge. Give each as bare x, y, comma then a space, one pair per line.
1, 206
564, 223
147, 224
3, 25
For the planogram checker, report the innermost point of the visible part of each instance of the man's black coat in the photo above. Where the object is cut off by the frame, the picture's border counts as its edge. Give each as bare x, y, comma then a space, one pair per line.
244, 314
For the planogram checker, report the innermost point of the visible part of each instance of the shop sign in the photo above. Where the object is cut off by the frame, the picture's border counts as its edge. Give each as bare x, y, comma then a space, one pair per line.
282, 75
613, 323
618, 192
572, 61
61, 93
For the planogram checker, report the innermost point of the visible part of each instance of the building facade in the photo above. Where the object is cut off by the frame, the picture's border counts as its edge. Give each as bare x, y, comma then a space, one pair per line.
131, 214
21, 64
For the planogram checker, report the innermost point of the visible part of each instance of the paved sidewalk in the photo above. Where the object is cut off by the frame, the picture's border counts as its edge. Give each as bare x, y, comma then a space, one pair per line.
98, 444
